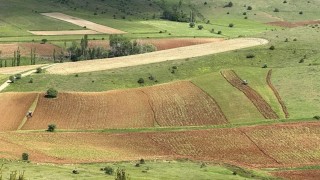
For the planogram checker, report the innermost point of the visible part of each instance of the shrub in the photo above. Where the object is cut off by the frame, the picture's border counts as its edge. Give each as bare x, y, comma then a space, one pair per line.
200, 27
246, 17
317, 117
244, 13
39, 70
43, 41
75, 171
287, 40
284, 1
51, 127
12, 79
18, 76
137, 165
174, 67
212, 30
31, 80
301, 12
108, 170
192, 24
140, 81
295, 39
231, 25
272, 47
249, 56
219, 32
249, 8
230, 4
265, 66
301, 60
276, 10
142, 161
25, 156
51, 93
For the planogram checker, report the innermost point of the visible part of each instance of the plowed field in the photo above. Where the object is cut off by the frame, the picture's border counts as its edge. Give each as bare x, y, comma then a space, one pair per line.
263, 107
276, 93
299, 174
115, 109
13, 108
176, 104
261, 146
183, 104
25, 48
294, 24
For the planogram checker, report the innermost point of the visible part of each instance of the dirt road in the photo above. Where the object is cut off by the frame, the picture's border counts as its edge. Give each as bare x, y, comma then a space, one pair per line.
155, 57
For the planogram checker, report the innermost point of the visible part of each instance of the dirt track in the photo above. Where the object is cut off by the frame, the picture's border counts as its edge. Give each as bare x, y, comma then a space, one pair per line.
263, 107
276, 93
154, 57
84, 23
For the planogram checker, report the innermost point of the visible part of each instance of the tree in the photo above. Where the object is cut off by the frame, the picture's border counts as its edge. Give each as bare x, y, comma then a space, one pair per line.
192, 24
51, 93
25, 156
43, 41
51, 127
200, 27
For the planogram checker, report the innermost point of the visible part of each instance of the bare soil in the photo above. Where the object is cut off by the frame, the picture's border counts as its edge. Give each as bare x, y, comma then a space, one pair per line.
298, 174
263, 107
294, 24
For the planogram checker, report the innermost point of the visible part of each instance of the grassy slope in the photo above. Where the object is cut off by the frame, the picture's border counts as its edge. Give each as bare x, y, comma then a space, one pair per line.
257, 80
234, 104
157, 170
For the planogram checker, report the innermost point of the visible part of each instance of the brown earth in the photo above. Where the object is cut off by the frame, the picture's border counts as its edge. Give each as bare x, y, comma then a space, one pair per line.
282, 145
294, 24
298, 174
156, 57
84, 23
43, 50
13, 108
176, 104
114, 109
263, 107
183, 104
276, 93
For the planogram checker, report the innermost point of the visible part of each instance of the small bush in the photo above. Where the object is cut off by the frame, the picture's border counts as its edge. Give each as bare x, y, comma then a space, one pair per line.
200, 27
287, 40
272, 47
142, 161
108, 170
301, 60
12, 79
276, 10
231, 25
43, 41
31, 80
219, 32
230, 4
140, 81
249, 56
51, 93
244, 13
39, 70
25, 156
317, 117
295, 39
300, 12
192, 24
265, 66
51, 127
18, 76
284, 2
174, 67
249, 8
137, 165
75, 171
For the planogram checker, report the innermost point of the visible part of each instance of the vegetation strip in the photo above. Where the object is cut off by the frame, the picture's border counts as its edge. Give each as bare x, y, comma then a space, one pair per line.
276, 93
263, 107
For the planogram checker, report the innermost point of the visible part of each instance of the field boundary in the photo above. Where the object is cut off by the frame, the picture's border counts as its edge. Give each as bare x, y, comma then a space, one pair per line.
32, 108
276, 93
263, 107
156, 123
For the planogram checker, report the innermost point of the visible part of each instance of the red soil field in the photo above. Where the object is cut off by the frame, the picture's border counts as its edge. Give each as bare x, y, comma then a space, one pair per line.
176, 104
298, 174
276, 93
263, 107
183, 104
13, 108
114, 109
268, 146
294, 24
160, 44
42, 50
